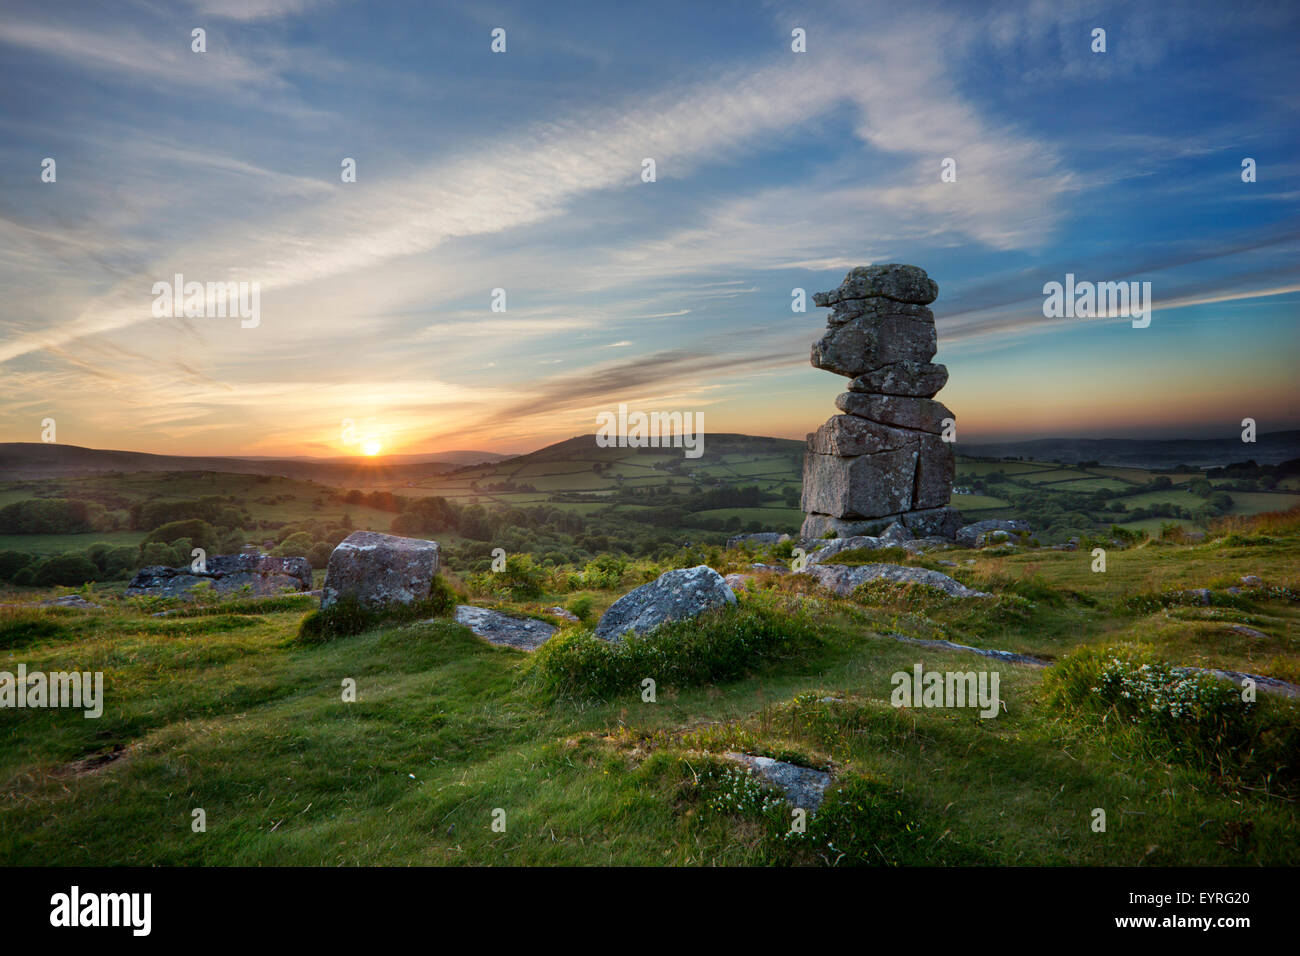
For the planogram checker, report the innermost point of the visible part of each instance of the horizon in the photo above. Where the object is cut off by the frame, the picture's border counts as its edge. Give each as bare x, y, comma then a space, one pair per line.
523, 171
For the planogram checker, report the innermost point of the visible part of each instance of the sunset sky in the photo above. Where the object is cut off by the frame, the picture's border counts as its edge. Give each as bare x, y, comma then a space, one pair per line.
522, 170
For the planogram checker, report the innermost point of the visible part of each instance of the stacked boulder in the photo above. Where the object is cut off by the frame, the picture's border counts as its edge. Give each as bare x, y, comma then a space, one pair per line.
883, 460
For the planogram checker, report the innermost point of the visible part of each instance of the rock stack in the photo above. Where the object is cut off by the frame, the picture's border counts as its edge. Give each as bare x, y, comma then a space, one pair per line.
883, 460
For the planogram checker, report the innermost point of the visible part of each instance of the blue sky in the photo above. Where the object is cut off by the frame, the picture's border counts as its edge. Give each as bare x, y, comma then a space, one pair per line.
521, 171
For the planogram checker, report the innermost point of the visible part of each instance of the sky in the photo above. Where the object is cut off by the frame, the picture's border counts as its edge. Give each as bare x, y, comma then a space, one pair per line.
522, 171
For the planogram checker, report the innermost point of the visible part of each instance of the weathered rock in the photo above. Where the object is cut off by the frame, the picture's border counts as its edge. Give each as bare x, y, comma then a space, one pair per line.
915, 379
522, 633
830, 549
846, 436
563, 614
380, 569
865, 486
847, 309
845, 580
914, 476
258, 575
802, 787
920, 414
972, 534
928, 522
674, 596
737, 582
929, 543
896, 534
892, 280
870, 342
757, 538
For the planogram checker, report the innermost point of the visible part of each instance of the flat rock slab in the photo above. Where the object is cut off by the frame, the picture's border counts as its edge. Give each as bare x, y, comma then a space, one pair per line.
522, 633
673, 596
380, 569
845, 580
1008, 656
802, 786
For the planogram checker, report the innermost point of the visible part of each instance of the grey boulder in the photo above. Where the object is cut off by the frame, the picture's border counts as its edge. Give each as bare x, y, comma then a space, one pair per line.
380, 569
673, 596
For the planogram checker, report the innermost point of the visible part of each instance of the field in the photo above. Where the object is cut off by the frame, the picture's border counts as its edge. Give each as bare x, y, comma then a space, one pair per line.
220, 708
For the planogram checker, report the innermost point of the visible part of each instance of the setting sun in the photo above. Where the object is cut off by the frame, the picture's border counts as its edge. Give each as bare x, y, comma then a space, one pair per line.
371, 447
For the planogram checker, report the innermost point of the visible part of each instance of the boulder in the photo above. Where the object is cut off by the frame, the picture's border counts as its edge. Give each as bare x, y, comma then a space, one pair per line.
673, 596
845, 580
870, 342
380, 569
891, 280
974, 535
521, 633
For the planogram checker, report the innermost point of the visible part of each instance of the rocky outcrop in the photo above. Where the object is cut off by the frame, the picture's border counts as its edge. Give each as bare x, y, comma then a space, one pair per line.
380, 569
885, 458
673, 596
257, 575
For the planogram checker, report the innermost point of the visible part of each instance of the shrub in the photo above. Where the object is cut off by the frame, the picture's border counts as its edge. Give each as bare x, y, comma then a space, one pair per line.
202, 534
24, 576
719, 645
296, 545
319, 554
68, 569
580, 607
1180, 714
521, 579
11, 562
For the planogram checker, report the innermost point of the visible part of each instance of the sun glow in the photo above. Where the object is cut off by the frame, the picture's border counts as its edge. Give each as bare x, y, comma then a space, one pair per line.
371, 447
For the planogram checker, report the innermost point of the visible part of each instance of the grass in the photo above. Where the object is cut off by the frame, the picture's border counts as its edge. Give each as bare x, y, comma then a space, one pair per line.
221, 707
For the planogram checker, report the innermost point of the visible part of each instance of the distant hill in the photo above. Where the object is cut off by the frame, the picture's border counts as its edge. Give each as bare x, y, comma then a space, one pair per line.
28, 460
1270, 448
723, 443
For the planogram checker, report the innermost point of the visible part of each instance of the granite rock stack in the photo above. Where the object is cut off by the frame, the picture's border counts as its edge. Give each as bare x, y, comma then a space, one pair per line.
883, 460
